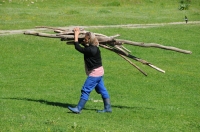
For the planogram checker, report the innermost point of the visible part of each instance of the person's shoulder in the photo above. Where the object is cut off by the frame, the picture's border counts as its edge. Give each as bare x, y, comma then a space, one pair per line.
93, 47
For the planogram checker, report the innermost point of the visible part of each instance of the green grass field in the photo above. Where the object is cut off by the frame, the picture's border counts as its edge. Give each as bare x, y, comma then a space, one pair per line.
40, 77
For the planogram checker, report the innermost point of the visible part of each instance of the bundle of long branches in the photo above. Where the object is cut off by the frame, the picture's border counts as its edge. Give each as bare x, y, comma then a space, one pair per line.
108, 42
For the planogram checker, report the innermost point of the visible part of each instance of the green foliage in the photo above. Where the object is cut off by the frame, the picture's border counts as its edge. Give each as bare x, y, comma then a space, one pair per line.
114, 3
184, 4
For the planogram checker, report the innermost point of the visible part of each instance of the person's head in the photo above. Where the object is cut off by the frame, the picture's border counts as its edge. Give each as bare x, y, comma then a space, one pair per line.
90, 39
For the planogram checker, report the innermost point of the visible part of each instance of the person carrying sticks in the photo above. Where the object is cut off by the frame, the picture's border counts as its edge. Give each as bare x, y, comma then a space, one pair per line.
94, 71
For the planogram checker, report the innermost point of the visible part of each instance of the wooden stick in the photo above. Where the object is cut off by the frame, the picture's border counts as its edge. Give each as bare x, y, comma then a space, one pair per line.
98, 34
113, 44
146, 63
120, 49
54, 28
158, 69
102, 37
108, 48
41, 34
70, 33
125, 49
58, 31
154, 45
133, 64
135, 58
114, 36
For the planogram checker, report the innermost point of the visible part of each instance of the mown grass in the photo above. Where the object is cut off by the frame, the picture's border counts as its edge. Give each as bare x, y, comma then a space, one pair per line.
24, 14
40, 77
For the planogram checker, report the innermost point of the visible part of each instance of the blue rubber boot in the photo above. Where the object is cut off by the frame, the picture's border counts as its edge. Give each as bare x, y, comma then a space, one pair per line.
79, 107
107, 106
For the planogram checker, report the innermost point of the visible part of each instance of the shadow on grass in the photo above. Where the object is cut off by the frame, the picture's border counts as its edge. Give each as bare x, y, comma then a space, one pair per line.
65, 105
42, 101
134, 107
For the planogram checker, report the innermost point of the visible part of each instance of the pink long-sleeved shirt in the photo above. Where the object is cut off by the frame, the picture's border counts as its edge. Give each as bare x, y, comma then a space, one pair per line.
95, 72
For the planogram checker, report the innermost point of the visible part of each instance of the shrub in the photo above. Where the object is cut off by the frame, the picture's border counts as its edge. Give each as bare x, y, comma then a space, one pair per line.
184, 4
115, 3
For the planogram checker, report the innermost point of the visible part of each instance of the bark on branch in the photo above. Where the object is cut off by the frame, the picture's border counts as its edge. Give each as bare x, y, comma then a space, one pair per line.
107, 42
153, 45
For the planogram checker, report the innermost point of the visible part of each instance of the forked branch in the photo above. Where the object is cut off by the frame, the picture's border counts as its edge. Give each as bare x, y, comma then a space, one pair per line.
107, 42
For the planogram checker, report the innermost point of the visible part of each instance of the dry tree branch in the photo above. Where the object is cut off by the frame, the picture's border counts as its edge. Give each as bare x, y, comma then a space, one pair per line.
153, 45
41, 34
124, 57
104, 38
133, 57
107, 42
54, 28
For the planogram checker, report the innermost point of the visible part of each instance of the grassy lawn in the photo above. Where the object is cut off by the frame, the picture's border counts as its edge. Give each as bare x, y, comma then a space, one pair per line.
22, 14
40, 77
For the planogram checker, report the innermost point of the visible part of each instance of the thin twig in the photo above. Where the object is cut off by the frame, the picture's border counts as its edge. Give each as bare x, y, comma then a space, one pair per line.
133, 64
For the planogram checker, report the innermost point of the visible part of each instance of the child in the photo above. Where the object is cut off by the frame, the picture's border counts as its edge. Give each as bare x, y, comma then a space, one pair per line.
94, 71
